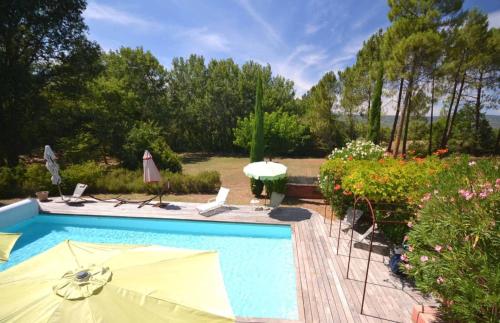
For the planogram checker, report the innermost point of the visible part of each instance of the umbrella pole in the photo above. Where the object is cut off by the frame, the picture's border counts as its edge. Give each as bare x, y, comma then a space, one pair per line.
60, 192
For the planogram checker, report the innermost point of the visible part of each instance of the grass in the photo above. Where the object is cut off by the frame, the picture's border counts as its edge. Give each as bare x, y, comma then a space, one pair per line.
301, 170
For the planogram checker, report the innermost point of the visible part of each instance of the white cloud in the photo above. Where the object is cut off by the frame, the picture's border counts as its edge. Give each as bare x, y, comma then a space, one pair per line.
209, 40
313, 28
302, 66
494, 19
109, 14
271, 32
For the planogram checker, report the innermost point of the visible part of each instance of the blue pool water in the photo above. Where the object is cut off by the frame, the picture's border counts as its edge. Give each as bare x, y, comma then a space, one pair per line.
256, 260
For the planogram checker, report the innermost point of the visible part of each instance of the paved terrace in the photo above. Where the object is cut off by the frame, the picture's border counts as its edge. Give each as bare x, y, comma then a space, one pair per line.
323, 291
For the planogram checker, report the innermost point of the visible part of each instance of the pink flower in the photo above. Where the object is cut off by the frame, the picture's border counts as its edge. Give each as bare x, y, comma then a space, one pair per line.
410, 248
483, 194
403, 257
440, 280
438, 248
424, 258
449, 248
426, 197
497, 184
405, 238
408, 266
466, 194
409, 224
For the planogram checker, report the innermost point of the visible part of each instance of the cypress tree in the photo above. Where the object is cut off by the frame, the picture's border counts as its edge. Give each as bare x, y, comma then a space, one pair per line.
374, 130
257, 144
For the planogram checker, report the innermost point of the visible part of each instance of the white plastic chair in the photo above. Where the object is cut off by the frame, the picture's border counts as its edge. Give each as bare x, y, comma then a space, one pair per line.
77, 195
213, 204
362, 237
351, 218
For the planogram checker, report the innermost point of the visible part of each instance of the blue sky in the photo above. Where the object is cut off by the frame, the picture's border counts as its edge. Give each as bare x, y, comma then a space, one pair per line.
300, 39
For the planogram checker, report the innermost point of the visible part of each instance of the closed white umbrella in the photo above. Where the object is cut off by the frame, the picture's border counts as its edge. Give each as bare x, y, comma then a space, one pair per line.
151, 172
53, 167
265, 171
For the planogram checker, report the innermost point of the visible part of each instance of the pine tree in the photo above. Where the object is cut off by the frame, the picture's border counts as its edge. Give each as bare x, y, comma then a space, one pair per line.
374, 117
257, 146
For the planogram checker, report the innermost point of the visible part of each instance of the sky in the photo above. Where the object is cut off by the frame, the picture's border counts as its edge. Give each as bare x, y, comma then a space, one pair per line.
300, 39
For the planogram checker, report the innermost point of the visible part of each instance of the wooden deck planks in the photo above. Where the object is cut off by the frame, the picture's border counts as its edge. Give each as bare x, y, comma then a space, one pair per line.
324, 294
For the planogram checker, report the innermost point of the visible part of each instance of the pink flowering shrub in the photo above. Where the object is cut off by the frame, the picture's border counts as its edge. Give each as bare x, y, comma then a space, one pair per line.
455, 241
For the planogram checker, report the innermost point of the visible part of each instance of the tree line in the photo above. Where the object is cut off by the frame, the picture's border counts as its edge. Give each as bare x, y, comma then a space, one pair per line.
433, 53
58, 87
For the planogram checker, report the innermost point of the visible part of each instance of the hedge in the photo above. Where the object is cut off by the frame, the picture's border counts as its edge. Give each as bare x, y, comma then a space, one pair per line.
25, 180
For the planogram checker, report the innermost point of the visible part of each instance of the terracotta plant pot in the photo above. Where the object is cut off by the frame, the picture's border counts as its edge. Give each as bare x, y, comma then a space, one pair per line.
42, 196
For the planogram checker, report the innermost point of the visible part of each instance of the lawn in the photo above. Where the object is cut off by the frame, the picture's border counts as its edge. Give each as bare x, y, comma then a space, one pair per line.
231, 169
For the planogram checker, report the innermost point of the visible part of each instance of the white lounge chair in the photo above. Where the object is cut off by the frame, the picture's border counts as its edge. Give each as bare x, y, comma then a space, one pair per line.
351, 218
276, 199
362, 237
76, 198
215, 203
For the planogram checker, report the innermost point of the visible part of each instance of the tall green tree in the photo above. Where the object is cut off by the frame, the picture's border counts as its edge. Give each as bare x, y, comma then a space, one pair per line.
415, 43
41, 43
131, 88
258, 146
327, 130
223, 105
467, 50
186, 93
374, 116
284, 134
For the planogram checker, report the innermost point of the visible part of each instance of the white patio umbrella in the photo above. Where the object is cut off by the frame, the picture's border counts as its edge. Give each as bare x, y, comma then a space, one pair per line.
52, 166
265, 170
151, 172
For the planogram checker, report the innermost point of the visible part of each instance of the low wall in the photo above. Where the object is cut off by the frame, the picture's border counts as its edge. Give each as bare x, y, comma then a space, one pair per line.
17, 212
304, 191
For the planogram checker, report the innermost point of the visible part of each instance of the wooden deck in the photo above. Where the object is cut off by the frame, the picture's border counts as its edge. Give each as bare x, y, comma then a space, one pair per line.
324, 294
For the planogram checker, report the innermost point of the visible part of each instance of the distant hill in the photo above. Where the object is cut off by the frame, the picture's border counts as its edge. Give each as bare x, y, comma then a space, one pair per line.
494, 121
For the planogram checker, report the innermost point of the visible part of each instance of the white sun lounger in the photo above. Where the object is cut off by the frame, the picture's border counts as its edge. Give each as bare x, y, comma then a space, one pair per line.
77, 195
351, 218
214, 204
362, 237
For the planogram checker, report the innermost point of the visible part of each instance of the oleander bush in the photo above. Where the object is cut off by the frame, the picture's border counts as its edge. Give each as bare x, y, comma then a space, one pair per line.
454, 244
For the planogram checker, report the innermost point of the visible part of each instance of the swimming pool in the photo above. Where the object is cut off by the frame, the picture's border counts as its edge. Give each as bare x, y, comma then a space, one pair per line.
256, 259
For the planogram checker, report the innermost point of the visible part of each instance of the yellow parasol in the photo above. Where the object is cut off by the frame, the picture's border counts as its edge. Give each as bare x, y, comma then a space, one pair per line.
86, 282
7, 242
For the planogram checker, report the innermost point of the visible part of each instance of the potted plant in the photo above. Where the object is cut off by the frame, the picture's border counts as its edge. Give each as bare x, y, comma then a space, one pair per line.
42, 196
